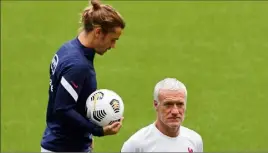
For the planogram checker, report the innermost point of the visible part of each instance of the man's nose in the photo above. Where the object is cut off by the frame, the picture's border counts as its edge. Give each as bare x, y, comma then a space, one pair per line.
175, 109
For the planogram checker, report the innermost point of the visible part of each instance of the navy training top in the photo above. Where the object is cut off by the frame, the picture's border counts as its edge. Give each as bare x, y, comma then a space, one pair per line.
72, 80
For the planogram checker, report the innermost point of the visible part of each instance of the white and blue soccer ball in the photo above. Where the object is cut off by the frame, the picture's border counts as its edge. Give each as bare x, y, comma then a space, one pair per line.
104, 107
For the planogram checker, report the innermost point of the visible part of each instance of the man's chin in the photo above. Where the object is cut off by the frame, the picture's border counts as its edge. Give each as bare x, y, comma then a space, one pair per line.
174, 124
100, 53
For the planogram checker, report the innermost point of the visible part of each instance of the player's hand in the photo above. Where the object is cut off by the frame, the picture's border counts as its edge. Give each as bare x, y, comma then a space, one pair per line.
113, 128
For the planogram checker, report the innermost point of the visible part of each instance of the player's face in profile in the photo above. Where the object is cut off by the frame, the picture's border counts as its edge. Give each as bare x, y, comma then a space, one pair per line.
172, 107
107, 41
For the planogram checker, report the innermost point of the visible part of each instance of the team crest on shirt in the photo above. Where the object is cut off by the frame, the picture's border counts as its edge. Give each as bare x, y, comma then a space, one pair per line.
190, 150
54, 63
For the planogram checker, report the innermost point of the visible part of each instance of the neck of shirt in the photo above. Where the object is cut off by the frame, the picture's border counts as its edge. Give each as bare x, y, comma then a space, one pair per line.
162, 134
88, 52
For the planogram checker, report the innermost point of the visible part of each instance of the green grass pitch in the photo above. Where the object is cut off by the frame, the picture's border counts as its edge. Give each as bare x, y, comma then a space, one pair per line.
218, 49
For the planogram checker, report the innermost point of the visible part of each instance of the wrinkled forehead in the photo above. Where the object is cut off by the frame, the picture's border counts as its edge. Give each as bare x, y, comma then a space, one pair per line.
171, 95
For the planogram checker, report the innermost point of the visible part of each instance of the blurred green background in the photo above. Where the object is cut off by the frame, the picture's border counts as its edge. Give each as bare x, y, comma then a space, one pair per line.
218, 49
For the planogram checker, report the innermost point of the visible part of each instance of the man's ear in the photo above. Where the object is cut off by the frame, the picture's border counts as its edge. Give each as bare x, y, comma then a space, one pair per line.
155, 104
97, 32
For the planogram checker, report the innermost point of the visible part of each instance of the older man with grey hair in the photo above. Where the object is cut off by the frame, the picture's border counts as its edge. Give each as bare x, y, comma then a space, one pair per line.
166, 134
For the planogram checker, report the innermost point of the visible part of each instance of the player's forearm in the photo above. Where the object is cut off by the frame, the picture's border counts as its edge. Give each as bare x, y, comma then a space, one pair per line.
76, 119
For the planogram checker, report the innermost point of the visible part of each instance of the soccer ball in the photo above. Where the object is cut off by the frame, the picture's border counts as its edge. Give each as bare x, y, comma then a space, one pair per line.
104, 107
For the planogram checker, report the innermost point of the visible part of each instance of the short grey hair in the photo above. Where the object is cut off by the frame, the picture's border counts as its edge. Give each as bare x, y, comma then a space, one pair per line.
169, 84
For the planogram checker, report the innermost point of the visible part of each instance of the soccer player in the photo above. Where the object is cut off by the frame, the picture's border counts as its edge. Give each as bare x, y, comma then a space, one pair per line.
73, 79
166, 134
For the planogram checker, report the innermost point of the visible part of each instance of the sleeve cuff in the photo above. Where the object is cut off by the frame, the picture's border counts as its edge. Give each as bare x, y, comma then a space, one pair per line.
98, 131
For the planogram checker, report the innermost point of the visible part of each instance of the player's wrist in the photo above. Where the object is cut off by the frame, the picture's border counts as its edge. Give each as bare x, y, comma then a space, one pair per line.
106, 130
